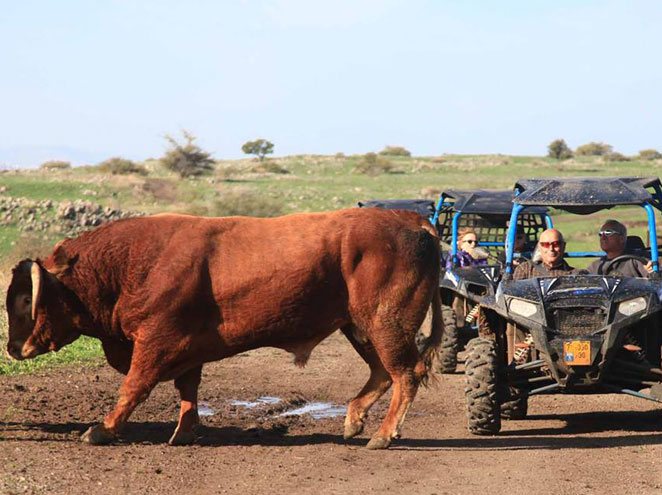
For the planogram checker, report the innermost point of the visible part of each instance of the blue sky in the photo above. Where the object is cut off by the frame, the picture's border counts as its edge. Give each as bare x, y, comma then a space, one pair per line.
85, 81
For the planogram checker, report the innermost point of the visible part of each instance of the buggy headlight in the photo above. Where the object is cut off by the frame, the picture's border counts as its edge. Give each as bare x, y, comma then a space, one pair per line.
632, 306
523, 308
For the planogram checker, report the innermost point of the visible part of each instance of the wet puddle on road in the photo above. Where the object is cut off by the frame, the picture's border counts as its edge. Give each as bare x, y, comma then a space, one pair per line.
261, 401
317, 410
205, 410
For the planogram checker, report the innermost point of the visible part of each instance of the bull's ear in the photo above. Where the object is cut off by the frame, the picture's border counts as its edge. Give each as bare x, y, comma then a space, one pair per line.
37, 283
61, 262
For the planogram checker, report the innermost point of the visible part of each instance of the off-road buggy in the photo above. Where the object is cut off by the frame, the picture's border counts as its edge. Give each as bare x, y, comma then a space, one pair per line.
574, 334
487, 212
423, 207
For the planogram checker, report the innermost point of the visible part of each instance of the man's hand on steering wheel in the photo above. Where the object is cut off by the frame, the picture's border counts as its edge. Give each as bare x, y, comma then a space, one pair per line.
648, 264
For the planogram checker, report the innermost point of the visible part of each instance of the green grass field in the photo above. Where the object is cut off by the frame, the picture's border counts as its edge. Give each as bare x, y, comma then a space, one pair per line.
314, 183
84, 350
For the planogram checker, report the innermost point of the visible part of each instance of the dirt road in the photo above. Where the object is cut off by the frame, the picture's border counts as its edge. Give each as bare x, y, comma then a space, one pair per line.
594, 444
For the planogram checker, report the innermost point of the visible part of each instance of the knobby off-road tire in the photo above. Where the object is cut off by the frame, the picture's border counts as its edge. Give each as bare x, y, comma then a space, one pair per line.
481, 365
450, 342
514, 404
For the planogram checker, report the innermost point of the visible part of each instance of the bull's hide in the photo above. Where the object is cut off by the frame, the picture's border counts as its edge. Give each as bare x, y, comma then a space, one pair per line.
167, 293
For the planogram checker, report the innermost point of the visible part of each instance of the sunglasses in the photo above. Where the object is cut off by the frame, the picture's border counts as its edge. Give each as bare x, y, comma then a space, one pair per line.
608, 233
471, 241
552, 244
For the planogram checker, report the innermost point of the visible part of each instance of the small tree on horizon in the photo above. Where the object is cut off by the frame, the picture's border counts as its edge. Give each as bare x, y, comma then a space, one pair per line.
649, 154
559, 149
395, 151
186, 159
594, 149
55, 165
259, 148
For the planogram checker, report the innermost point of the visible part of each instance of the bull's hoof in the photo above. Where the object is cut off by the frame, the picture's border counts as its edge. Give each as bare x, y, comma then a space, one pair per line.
98, 435
377, 443
182, 438
353, 429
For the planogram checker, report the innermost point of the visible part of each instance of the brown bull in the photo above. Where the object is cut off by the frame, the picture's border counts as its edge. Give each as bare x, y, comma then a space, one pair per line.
167, 293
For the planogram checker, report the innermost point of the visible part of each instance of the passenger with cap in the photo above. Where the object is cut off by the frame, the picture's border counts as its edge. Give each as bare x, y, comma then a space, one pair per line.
519, 254
613, 236
551, 247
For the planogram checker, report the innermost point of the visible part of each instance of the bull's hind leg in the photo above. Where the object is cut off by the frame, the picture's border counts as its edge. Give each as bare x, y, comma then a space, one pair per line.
187, 384
403, 363
378, 383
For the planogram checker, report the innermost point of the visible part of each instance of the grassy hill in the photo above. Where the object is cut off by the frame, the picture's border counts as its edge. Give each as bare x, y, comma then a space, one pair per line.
285, 185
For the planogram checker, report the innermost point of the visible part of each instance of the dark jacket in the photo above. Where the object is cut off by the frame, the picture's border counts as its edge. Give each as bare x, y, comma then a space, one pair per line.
530, 269
628, 267
518, 258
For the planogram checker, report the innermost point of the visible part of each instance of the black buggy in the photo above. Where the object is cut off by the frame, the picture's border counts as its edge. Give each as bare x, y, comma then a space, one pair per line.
574, 334
423, 207
487, 212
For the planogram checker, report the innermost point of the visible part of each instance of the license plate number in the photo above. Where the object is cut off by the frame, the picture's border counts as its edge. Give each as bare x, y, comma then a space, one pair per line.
577, 352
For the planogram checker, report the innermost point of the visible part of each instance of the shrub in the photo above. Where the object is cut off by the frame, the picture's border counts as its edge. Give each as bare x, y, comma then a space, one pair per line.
559, 149
55, 165
246, 203
395, 151
649, 154
225, 170
615, 156
121, 166
269, 167
373, 164
186, 159
594, 149
161, 190
259, 148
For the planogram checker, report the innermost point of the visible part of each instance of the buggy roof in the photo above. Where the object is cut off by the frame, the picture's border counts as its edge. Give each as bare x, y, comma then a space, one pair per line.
584, 195
423, 207
484, 201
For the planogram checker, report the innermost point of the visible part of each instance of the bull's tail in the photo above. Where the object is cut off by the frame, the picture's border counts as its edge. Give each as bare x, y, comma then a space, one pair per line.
435, 326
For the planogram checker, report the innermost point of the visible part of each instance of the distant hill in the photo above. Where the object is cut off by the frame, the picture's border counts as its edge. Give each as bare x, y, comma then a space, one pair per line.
33, 156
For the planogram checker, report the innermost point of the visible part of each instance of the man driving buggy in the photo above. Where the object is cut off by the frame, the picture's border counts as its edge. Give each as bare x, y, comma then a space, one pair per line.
613, 236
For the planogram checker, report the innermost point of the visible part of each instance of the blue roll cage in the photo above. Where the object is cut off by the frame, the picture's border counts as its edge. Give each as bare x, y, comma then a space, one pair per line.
455, 224
655, 201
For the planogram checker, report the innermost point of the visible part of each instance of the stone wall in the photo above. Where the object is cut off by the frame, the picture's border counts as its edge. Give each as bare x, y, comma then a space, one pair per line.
68, 218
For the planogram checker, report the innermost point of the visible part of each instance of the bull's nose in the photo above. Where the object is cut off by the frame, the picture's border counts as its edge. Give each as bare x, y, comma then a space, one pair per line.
14, 350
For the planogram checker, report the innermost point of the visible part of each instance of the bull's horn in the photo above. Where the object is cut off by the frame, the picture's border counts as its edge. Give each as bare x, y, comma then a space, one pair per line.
35, 275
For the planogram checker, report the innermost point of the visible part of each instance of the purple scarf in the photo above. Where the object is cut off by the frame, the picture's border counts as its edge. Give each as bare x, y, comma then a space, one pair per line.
464, 259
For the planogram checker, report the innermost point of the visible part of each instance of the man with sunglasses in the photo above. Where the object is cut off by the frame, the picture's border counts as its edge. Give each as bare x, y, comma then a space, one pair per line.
551, 264
613, 235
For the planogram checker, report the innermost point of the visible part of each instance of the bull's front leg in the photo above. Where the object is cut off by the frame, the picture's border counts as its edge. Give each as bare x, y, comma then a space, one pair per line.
146, 368
187, 384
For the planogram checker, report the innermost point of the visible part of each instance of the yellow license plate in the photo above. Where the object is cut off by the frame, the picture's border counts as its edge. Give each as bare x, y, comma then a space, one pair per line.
577, 352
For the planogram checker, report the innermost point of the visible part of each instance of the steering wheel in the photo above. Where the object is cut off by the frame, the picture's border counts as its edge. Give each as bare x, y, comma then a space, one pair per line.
607, 266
